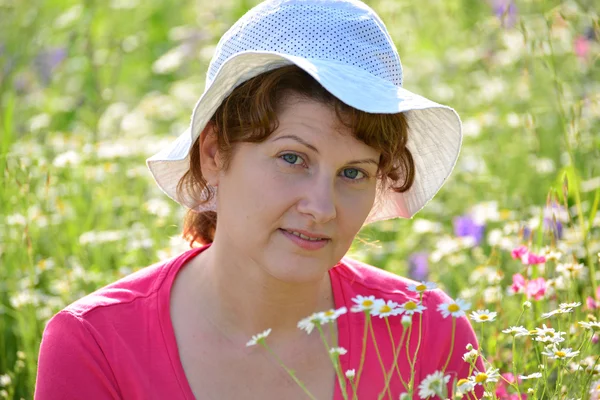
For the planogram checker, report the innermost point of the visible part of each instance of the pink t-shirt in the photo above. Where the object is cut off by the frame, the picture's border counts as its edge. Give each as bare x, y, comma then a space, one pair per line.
119, 343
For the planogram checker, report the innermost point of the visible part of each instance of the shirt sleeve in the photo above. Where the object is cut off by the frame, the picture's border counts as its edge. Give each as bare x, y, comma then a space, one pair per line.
71, 364
437, 332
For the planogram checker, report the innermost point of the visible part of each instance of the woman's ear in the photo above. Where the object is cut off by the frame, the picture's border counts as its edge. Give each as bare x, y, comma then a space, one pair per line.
209, 155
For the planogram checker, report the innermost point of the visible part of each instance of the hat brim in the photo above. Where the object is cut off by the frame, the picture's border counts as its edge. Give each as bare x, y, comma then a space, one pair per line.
434, 139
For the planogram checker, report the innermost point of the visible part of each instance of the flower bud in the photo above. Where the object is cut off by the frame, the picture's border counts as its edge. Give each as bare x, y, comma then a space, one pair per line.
527, 304
406, 321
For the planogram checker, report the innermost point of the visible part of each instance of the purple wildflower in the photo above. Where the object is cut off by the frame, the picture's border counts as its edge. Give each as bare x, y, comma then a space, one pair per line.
555, 227
506, 11
418, 266
465, 226
47, 60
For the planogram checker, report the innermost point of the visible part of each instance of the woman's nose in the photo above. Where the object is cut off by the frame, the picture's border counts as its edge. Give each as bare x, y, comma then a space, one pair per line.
318, 201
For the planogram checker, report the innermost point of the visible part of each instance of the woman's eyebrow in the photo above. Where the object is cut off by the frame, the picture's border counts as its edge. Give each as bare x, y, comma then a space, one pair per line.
300, 140
310, 146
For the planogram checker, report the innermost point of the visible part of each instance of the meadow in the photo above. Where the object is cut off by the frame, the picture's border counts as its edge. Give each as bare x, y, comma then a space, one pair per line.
90, 89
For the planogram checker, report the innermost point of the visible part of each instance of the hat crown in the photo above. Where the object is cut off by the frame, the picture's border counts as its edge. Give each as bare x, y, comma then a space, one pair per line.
344, 31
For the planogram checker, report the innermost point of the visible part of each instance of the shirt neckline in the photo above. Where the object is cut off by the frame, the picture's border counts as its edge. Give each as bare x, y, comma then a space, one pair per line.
164, 316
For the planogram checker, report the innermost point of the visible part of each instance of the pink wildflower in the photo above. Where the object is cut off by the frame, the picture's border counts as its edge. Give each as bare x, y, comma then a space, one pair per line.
533, 259
519, 252
536, 288
581, 46
591, 303
518, 283
595, 338
501, 388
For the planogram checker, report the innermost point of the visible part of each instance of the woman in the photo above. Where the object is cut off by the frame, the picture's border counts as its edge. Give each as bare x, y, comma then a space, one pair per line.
303, 135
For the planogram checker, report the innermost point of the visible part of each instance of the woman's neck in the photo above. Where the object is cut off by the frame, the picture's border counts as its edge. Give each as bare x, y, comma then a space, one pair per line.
240, 299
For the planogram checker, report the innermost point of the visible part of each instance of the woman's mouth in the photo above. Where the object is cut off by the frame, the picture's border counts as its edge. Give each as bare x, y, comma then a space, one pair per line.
306, 242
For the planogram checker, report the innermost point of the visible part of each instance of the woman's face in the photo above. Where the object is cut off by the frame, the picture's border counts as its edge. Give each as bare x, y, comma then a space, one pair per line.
310, 177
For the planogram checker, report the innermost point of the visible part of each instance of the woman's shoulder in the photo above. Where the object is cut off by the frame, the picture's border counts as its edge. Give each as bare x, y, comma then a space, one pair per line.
142, 284
365, 279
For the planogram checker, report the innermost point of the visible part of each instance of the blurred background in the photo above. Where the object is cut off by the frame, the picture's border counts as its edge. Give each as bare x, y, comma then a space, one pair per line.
89, 89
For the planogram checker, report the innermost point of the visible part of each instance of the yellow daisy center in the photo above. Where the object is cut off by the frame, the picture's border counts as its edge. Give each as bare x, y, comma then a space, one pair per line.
410, 305
481, 377
367, 303
421, 287
329, 313
484, 317
385, 309
453, 307
462, 381
560, 354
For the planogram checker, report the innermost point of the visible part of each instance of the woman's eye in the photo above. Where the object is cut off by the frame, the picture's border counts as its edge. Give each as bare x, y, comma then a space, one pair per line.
353, 173
291, 158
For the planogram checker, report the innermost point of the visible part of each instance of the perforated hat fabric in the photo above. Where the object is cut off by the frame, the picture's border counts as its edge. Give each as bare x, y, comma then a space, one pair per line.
346, 47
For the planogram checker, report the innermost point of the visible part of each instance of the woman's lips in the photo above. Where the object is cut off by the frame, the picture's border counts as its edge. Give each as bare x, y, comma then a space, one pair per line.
304, 243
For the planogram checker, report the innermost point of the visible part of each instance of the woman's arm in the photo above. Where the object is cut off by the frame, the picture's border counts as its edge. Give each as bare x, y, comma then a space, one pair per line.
71, 363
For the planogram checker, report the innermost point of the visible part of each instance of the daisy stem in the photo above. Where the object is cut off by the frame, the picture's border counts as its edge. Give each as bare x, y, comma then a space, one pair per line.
482, 341
391, 372
334, 343
589, 378
558, 380
354, 394
364, 346
395, 365
335, 361
414, 360
378, 355
410, 361
451, 345
514, 367
289, 371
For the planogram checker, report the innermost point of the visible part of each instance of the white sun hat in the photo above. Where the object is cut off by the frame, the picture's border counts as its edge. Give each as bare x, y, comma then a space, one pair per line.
344, 45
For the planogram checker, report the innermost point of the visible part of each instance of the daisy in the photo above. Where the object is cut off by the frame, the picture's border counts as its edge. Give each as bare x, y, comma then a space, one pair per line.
259, 338
470, 356
560, 354
566, 306
483, 316
557, 311
550, 254
433, 385
308, 324
384, 309
517, 331
490, 375
464, 386
594, 326
547, 335
422, 287
350, 373
410, 307
331, 315
363, 303
456, 309
535, 375
570, 269
337, 351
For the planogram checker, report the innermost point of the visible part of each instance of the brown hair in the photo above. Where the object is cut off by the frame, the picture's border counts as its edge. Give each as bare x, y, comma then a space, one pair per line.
249, 114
